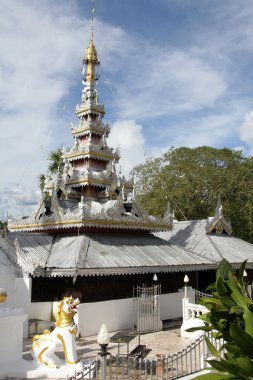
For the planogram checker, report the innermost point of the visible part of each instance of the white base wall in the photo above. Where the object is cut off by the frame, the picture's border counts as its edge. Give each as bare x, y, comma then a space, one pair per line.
41, 310
171, 305
116, 314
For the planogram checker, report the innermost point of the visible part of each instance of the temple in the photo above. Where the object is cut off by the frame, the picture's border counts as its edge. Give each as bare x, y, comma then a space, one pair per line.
89, 234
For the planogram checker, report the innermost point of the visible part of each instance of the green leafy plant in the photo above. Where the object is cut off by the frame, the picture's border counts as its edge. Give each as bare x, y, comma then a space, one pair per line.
229, 317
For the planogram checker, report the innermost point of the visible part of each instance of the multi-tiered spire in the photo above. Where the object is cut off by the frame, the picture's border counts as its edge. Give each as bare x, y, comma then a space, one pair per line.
88, 193
91, 160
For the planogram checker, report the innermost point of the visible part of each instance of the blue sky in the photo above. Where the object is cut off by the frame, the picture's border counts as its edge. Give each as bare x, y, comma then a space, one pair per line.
180, 71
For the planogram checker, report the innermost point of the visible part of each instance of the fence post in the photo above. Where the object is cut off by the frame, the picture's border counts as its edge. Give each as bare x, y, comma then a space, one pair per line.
103, 340
159, 364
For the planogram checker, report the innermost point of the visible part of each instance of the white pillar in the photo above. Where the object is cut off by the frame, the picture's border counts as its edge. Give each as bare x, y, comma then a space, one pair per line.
11, 334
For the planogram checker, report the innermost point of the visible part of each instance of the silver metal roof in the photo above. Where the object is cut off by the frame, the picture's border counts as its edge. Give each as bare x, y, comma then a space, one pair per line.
102, 254
187, 247
32, 250
192, 237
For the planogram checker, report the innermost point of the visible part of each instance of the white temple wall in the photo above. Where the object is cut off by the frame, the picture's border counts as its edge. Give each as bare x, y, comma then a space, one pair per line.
41, 310
171, 305
116, 314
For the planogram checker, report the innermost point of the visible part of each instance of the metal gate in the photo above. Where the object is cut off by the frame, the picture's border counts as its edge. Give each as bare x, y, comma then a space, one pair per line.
146, 301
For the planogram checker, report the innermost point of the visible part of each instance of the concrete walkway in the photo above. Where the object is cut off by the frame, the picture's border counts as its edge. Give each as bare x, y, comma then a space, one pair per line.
162, 342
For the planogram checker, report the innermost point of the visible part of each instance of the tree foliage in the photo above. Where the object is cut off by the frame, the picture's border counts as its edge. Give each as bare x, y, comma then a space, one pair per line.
192, 180
3, 225
55, 161
55, 164
230, 318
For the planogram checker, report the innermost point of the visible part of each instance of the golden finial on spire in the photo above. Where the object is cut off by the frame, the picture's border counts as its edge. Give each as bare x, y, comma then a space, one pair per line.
91, 58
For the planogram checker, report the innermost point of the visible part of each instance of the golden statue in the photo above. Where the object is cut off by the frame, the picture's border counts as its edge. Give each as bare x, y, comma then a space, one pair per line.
45, 345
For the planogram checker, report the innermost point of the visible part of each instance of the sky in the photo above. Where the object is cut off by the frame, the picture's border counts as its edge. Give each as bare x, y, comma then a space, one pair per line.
173, 73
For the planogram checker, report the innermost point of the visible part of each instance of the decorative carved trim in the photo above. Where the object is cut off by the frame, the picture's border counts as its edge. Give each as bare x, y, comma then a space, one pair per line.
81, 109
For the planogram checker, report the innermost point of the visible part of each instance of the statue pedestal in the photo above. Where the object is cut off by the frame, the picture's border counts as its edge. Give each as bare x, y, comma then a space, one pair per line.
30, 369
11, 334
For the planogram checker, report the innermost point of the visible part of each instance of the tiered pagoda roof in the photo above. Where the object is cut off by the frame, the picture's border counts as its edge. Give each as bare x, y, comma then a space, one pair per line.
87, 194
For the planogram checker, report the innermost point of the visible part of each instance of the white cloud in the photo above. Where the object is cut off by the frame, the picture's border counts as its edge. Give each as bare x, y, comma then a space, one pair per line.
128, 136
168, 81
246, 130
40, 54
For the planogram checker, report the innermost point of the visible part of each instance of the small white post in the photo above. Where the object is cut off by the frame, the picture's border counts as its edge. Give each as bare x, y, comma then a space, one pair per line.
103, 340
185, 299
186, 280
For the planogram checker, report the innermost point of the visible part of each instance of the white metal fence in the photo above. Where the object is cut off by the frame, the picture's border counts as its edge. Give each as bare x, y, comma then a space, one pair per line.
174, 366
194, 295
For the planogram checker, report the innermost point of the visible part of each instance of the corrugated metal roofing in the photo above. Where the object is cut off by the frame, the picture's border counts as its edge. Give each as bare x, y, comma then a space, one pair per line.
191, 236
65, 251
6, 268
186, 247
32, 249
100, 253
103, 253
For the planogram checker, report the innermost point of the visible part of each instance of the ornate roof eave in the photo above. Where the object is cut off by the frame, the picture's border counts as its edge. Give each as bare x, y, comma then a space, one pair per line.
86, 182
96, 130
92, 154
116, 271
95, 108
117, 224
89, 175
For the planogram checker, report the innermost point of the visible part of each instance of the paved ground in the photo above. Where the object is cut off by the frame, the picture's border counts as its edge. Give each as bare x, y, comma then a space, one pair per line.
162, 342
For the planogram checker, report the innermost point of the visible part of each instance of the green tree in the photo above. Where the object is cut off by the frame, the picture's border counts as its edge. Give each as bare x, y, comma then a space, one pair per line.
55, 161
41, 181
3, 225
193, 179
55, 164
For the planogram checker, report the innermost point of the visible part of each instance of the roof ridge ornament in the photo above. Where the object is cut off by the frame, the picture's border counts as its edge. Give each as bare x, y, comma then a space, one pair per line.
218, 223
219, 208
92, 19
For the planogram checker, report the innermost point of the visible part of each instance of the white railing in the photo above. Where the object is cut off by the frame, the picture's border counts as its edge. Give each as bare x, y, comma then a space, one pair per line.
194, 295
191, 311
191, 307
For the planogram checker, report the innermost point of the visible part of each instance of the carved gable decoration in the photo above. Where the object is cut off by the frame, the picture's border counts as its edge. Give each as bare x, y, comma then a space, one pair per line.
218, 224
